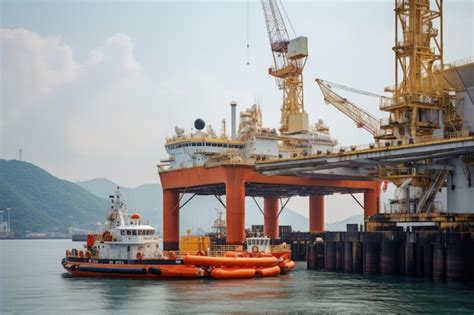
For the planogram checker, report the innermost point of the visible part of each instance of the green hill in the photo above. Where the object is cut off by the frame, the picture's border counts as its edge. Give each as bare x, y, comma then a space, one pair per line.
40, 201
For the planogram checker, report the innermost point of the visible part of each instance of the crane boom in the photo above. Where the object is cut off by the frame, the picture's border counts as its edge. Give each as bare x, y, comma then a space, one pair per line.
360, 116
277, 34
289, 57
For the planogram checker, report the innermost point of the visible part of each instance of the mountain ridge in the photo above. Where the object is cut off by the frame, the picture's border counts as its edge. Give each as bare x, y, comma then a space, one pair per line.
40, 201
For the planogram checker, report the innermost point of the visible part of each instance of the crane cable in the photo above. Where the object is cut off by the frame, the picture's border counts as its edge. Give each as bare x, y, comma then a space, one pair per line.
332, 85
287, 18
248, 32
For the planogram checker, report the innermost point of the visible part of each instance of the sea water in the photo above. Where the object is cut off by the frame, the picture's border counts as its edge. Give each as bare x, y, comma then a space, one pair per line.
32, 280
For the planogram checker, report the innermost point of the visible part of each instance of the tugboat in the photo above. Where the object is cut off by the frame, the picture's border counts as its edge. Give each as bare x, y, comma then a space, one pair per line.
127, 248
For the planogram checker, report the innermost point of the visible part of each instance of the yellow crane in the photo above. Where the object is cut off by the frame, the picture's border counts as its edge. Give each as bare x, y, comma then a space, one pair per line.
421, 106
363, 118
289, 57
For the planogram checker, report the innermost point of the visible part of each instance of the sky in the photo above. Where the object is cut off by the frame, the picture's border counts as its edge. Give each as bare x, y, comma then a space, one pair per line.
93, 88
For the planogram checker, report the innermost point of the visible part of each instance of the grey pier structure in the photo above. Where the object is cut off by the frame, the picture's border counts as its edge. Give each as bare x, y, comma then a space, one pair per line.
401, 239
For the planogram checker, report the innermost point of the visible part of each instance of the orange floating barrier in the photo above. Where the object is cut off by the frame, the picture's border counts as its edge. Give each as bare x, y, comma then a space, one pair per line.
232, 273
230, 261
290, 265
267, 272
286, 265
181, 272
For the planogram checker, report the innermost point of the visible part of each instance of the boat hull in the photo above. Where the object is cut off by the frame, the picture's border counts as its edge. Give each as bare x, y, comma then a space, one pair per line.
132, 269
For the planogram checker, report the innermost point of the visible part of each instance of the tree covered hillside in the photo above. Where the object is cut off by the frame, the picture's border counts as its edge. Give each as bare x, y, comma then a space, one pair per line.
40, 201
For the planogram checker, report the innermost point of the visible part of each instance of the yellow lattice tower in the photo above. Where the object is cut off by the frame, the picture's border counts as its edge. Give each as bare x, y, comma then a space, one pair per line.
419, 99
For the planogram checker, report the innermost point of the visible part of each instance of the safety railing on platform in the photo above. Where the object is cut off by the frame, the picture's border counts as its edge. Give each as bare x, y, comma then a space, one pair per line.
401, 207
400, 142
458, 63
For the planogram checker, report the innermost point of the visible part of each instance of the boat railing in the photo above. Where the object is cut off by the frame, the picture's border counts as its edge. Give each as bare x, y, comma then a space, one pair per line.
220, 250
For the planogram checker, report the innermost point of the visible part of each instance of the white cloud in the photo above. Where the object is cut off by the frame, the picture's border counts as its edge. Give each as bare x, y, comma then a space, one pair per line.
101, 118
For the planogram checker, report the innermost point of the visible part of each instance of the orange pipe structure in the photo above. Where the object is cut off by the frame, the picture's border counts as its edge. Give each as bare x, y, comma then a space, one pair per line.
170, 220
316, 213
235, 178
235, 213
372, 202
270, 212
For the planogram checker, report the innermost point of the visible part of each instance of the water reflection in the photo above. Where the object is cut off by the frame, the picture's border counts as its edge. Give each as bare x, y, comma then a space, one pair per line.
45, 288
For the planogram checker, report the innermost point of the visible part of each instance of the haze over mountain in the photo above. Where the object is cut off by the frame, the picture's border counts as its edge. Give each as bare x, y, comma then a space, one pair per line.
200, 212
40, 201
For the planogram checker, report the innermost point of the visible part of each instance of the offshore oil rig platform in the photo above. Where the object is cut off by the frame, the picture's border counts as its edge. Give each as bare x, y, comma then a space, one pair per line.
424, 146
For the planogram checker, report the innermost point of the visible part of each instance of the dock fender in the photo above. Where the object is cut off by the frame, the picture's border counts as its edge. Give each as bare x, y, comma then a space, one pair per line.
154, 270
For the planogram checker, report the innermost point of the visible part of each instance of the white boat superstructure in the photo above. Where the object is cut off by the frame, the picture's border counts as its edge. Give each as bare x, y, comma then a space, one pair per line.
126, 236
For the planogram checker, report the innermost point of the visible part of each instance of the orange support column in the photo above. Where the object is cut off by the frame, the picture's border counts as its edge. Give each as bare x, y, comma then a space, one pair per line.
372, 202
316, 213
170, 220
235, 212
270, 211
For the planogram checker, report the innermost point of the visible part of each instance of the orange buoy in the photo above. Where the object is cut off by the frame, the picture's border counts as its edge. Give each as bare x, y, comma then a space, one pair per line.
267, 272
232, 273
230, 261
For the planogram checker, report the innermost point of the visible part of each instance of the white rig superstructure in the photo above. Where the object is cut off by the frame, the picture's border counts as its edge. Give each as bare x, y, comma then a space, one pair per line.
126, 236
249, 144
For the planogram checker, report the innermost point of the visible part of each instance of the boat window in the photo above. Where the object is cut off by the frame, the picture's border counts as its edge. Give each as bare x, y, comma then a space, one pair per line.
129, 232
134, 232
140, 232
122, 232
